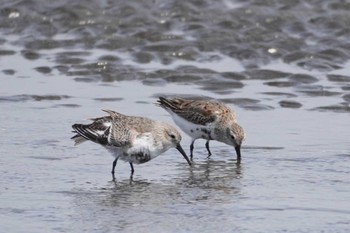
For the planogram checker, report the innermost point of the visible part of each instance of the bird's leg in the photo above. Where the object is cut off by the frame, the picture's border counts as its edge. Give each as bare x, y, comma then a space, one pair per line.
207, 146
238, 161
191, 150
132, 169
113, 167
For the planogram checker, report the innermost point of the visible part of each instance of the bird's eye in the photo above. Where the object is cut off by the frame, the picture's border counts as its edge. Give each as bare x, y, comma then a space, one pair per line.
172, 136
233, 137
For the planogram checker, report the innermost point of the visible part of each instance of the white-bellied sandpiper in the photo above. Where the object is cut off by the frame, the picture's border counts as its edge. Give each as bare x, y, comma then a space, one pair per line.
130, 138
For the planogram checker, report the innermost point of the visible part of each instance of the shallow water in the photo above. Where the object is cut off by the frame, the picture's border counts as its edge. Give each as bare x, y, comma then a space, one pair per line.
283, 67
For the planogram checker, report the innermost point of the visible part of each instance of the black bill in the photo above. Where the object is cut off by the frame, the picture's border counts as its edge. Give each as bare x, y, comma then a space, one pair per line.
238, 152
179, 148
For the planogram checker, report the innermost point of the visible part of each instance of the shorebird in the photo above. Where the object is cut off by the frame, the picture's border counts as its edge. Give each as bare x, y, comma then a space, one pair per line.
205, 118
130, 138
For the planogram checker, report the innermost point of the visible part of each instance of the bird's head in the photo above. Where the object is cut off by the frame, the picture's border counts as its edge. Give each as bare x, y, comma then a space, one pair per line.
173, 138
235, 136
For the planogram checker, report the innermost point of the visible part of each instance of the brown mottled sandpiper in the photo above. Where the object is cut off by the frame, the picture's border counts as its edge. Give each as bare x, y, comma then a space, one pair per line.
205, 118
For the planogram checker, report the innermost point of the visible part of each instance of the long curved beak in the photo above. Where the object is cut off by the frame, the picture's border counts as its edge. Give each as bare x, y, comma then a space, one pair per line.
238, 152
179, 148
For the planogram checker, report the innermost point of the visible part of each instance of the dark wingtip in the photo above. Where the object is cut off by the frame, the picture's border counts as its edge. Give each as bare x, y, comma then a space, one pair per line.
87, 132
78, 129
161, 100
76, 126
166, 103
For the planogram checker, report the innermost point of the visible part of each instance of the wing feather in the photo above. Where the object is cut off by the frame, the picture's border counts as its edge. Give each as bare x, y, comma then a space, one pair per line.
195, 111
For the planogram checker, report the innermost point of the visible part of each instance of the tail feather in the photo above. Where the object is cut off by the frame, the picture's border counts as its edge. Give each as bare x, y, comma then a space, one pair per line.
78, 139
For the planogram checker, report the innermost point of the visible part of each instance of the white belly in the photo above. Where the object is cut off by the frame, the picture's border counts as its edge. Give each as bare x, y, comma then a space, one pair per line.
193, 130
142, 150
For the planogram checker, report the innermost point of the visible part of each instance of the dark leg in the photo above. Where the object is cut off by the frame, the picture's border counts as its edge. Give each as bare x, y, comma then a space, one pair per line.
207, 146
132, 169
191, 150
113, 167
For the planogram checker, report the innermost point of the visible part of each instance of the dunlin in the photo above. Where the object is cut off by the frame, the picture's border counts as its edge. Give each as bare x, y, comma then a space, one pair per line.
130, 138
205, 118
